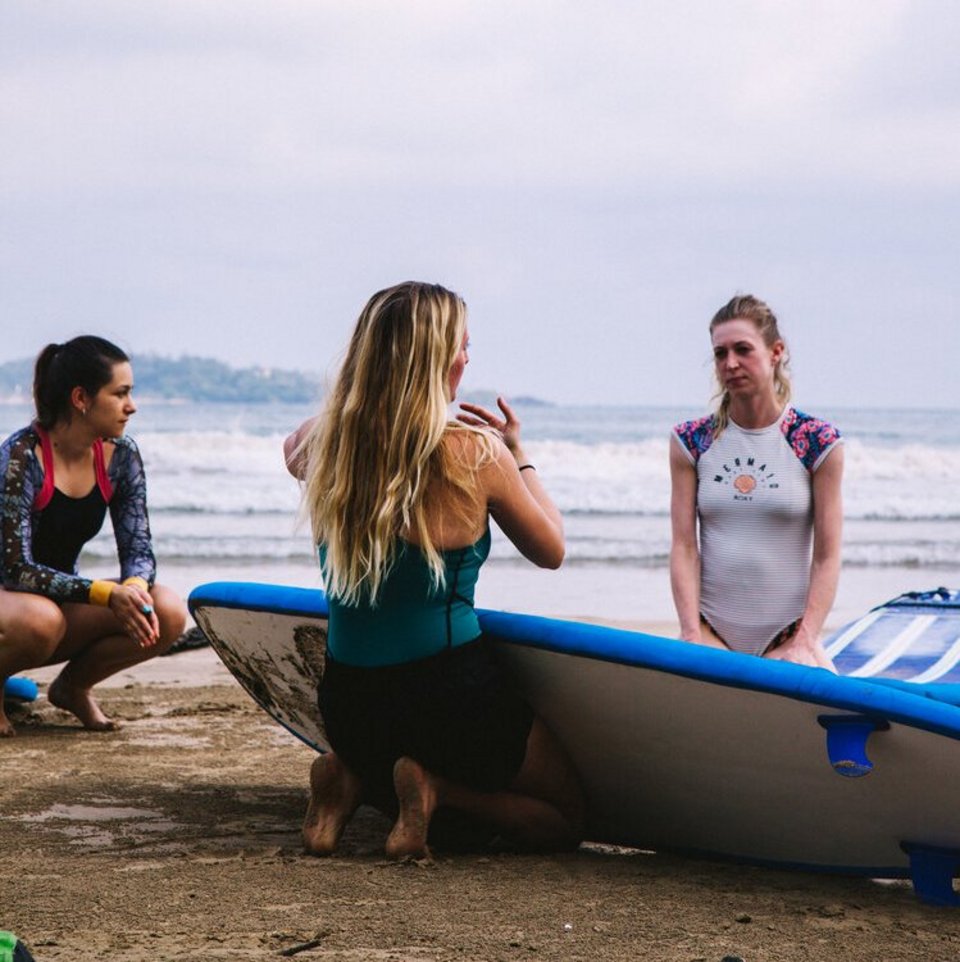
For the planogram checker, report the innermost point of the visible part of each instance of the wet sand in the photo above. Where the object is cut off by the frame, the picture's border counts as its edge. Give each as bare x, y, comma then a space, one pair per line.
178, 838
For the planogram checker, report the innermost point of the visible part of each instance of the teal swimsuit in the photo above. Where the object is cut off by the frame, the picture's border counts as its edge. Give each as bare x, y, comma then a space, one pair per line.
413, 619
414, 677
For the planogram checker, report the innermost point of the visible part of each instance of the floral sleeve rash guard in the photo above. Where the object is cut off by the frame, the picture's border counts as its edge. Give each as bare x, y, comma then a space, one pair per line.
22, 477
755, 521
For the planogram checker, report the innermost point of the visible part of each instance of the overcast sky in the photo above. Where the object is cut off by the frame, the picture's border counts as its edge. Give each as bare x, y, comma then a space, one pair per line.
234, 179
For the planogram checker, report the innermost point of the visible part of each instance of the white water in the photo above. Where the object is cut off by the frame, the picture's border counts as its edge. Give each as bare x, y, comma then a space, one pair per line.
221, 500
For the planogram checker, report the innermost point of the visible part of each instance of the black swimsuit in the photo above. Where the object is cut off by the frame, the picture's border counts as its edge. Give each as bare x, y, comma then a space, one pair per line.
65, 525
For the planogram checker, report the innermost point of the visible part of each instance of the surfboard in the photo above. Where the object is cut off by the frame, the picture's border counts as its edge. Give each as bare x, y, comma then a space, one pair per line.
680, 748
19, 689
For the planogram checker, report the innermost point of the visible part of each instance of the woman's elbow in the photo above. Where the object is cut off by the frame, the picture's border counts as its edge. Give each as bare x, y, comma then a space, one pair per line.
293, 456
827, 557
15, 577
552, 556
684, 548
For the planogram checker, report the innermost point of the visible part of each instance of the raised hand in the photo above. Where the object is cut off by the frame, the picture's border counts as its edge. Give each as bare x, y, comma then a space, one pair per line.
507, 424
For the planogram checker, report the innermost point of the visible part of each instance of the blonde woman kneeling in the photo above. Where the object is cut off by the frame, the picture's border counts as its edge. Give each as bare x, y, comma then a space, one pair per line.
417, 712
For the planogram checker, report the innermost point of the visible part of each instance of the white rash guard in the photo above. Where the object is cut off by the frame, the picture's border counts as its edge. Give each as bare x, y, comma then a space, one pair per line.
755, 514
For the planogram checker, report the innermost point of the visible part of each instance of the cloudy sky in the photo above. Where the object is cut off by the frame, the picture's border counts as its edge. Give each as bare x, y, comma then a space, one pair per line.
234, 179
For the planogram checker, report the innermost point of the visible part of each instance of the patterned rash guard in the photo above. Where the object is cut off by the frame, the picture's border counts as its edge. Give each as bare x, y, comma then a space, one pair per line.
755, 520
27, 489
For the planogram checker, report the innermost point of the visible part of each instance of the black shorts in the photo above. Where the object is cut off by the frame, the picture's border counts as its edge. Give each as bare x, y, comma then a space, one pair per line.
454, 712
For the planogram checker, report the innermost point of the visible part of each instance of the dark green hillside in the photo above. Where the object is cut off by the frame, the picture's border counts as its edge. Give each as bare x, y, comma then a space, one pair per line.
206, 379
195, 378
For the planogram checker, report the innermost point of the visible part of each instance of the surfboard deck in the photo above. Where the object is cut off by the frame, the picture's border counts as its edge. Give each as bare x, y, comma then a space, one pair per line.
911, 641
680, 748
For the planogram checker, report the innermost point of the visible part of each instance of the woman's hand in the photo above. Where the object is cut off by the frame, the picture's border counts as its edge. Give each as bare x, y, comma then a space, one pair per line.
134, 610
803, 649
507, 426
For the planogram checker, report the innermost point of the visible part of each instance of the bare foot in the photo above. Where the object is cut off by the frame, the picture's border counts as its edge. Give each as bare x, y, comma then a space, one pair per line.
6, 729
416, 792
334, 797
80, 702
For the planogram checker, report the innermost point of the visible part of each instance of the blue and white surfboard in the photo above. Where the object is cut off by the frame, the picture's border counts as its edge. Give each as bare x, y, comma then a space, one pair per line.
685, 748
913, 640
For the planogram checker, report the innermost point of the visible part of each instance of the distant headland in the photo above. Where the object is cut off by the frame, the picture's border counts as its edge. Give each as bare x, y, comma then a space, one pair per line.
190, 378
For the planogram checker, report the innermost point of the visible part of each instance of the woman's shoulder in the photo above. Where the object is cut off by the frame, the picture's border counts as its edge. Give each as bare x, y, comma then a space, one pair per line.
24, 434
809, 437
475, 462
122, 446
696, 436
471, 446
22, 441
122, 457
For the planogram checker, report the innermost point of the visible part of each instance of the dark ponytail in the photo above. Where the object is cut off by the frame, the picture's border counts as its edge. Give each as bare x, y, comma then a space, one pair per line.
85, 361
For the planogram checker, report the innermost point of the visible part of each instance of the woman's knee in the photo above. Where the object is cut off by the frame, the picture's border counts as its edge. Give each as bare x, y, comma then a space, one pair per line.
33, 625
548, 774
171, 612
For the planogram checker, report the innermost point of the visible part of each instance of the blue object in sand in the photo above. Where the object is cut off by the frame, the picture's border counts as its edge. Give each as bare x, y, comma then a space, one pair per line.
19, 689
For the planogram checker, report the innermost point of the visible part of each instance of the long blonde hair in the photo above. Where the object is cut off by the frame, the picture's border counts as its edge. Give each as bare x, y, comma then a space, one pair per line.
749, 308
383, 443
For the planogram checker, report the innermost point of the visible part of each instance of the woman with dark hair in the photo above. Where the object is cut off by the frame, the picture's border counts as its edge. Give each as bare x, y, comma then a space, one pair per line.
756, 507
58, 476
415, 706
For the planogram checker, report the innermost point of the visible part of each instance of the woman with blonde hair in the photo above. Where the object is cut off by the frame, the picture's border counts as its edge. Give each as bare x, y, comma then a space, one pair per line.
756, 507
417, 712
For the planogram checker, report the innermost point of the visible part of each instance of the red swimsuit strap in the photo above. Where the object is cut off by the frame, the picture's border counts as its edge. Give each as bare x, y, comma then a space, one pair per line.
46, 449
100, 467
46, 491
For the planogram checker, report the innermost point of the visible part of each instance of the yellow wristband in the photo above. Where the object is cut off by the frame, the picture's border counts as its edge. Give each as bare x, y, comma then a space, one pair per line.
138, 581
100, 592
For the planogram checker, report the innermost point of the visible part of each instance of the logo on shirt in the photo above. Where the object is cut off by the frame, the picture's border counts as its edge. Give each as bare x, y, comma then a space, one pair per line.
745, 476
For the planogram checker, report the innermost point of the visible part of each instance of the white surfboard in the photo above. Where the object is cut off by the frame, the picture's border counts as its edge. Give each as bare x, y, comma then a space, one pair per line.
680, 748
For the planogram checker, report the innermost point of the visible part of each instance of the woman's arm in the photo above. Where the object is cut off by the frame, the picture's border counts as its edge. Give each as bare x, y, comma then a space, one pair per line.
520, 505
805, 646
684, 550
131, 601
294, 453
516, 499
128, 511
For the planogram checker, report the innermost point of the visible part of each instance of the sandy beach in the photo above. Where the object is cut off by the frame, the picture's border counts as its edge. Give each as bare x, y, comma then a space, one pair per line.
178, 838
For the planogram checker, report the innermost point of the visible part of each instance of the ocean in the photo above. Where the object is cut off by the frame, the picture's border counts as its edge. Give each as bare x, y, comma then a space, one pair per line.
222, 506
